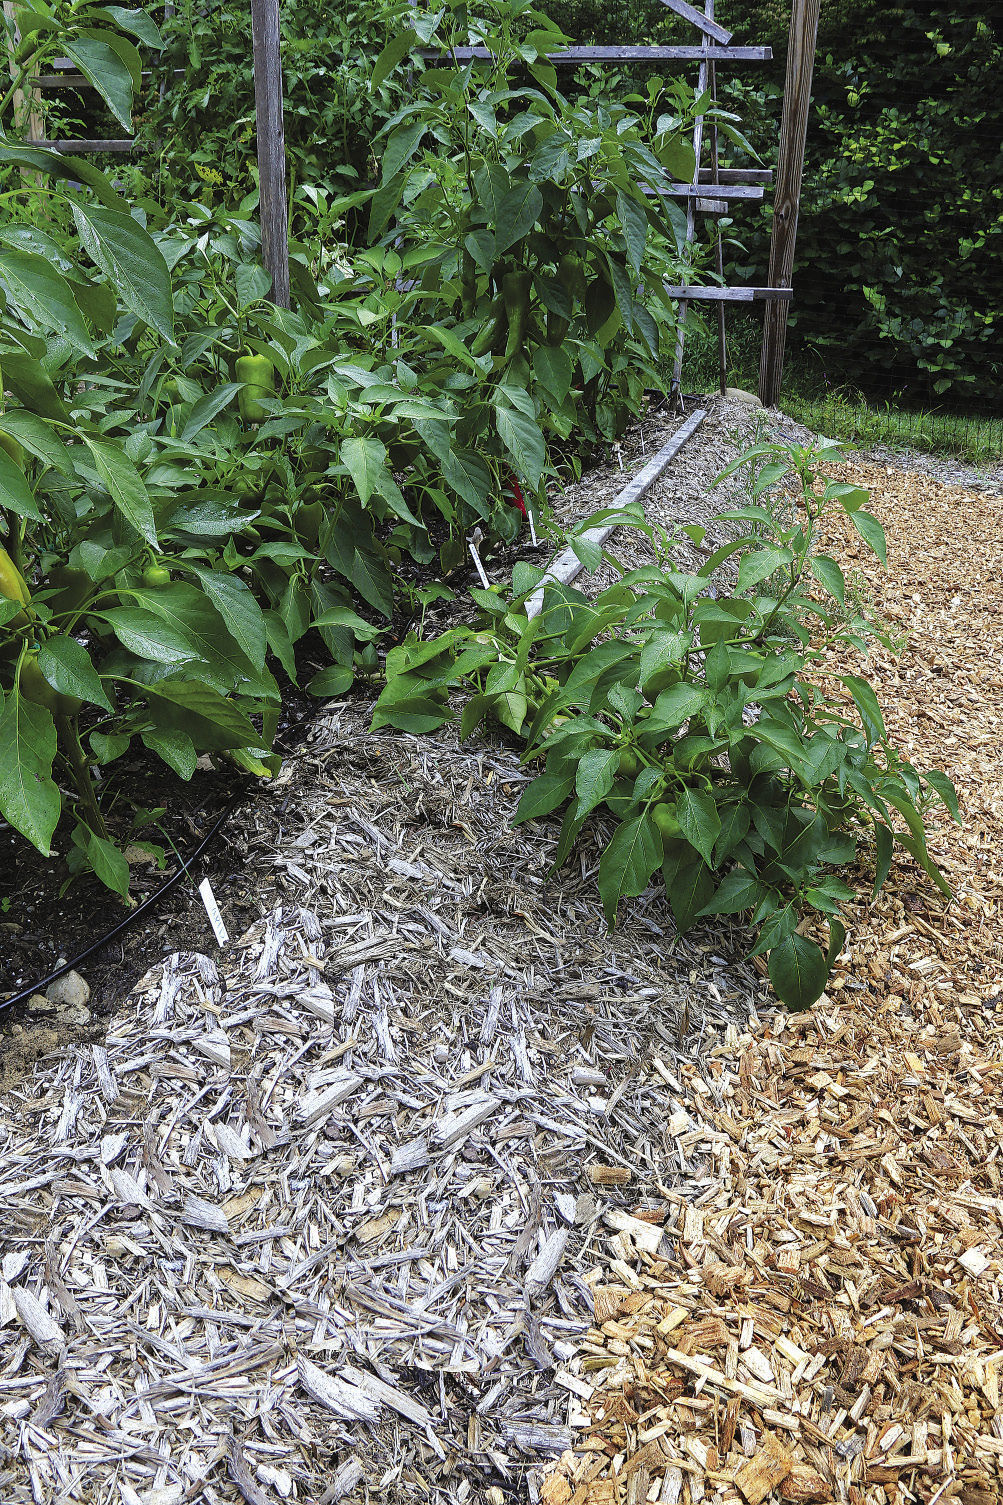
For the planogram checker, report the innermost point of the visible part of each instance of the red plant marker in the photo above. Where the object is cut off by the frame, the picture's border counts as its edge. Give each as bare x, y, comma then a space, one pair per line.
518, 500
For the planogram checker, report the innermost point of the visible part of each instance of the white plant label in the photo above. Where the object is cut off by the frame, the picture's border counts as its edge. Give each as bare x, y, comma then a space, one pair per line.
212, 910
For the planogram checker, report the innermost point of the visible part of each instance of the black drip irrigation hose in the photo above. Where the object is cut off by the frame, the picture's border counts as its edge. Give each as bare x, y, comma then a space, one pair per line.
130, 919
147, 905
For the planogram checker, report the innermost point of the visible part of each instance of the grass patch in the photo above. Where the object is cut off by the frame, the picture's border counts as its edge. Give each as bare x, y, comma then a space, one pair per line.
850, 416
838, 413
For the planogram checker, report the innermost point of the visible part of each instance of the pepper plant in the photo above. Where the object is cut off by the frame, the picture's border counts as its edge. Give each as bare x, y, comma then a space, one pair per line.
540, 224
698, 709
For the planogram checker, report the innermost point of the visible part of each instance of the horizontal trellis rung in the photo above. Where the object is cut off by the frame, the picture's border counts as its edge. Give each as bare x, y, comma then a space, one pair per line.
572, 57
715, 294
704, 190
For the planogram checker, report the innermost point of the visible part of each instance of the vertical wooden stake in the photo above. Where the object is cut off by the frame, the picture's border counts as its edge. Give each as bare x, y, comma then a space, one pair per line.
273, 207
790, 169
27, 102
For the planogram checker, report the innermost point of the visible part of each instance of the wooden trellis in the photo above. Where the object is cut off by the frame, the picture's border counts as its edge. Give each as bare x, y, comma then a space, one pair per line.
710, 194
713, 188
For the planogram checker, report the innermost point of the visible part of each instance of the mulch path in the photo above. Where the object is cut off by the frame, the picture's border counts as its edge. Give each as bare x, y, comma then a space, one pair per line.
328, 1217
827, 1323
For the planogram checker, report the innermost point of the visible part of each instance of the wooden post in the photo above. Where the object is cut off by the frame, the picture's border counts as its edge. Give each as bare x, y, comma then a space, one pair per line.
27, 102
273, 208
790, 169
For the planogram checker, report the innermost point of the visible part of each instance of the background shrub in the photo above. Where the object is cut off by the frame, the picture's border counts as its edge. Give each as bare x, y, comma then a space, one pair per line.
899, 271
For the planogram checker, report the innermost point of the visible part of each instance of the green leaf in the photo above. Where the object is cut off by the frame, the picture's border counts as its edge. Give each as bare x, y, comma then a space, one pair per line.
206, 409
828, 573
634, 224
239, 609
108, 747
522, 438
29, 800
44, 296
145, 635
675, 705
783, 740
735, 821
138, 23
344, 616
760, 564
872, 533
54, 165
738, 892
661, 651
470, 478
698, 817
102, 66
850, 498
945, 789
131, 260
553, 370
543, 796
400, 148
174, 747
67, 666
126, 485
396, 50
626, 866
15, 494
517, 213
837, 940
418, 714
595, 776
798, 972
884, 843
689, 884
769, 476
867, 704
623, 289
199, 624
331, 682
36, 436
252, 284
107, 862
365, 459
32, 386
213, 722
453, 345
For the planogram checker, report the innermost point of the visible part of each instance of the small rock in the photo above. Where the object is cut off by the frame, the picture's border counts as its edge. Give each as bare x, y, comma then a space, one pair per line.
69, 992
739, 394
39, 1004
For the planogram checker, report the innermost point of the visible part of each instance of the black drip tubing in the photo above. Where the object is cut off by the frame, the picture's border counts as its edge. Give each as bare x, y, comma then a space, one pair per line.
149, 903
130, 919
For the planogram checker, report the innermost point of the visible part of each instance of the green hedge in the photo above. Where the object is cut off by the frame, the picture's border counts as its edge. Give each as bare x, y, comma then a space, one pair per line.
899, 272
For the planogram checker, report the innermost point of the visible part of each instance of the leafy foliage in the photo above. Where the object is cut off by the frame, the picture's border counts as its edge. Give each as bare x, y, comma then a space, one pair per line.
195, 482
696, 708
899, 267
205, 118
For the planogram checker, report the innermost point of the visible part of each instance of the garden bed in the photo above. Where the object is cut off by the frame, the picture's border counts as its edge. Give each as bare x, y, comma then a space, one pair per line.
329, 1214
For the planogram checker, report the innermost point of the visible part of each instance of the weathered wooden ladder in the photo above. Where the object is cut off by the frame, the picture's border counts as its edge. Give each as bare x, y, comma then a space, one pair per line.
713, 189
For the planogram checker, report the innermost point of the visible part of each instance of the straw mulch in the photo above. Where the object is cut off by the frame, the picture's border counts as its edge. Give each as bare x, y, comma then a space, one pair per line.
310, 1223
826, 1323
328, 1217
